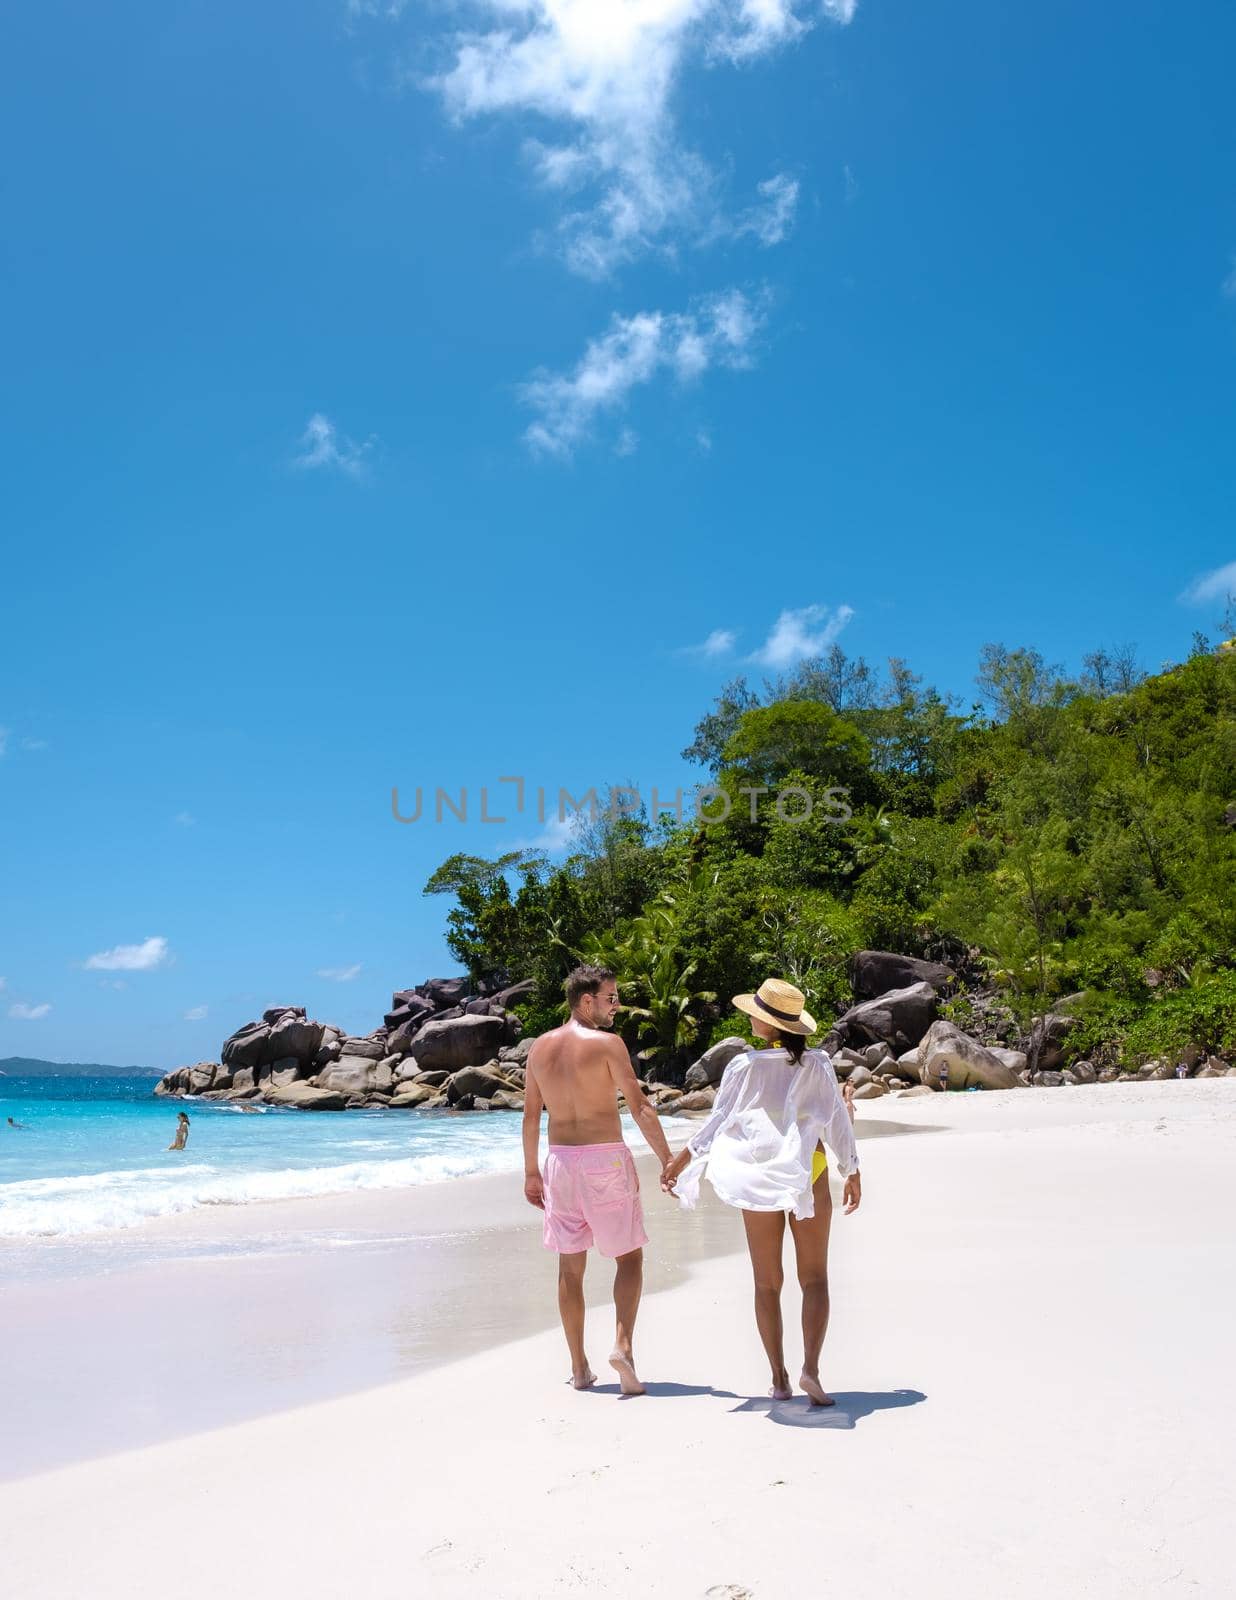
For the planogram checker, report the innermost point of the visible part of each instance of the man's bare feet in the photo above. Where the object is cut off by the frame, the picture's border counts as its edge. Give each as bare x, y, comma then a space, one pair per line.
625, 1368
814, 1390
584, 1379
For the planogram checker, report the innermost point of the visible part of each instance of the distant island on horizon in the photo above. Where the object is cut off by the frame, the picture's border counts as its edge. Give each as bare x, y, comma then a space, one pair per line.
26, 1067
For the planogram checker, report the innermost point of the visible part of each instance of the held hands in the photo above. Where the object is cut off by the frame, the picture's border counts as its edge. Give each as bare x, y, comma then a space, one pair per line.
534, 1193
852, 1194
673, 1170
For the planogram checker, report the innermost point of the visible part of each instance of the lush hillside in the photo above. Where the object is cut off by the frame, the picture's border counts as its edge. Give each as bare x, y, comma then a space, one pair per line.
25, 1067
1059, 836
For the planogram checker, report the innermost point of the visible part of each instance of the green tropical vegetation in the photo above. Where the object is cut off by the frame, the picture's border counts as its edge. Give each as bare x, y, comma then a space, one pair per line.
1062, 836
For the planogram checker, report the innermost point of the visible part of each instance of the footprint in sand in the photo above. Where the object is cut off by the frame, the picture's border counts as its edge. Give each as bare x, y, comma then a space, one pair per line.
589, 1474
728, 1591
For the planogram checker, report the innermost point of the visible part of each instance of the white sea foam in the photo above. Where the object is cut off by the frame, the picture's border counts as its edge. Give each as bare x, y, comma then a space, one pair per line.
46, 1206
96, 1201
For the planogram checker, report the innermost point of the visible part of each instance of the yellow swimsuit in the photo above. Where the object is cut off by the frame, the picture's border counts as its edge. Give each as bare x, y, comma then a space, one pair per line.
819, 1164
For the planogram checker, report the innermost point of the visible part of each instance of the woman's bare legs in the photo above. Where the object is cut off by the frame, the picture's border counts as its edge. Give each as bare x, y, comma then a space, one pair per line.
811, 1254
765, 1235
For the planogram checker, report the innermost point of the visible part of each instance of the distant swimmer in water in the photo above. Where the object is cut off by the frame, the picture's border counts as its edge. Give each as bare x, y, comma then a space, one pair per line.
182, 1131
13, 1124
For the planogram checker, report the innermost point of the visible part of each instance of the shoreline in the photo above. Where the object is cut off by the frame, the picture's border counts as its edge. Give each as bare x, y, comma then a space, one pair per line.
225, 1222
33, 1252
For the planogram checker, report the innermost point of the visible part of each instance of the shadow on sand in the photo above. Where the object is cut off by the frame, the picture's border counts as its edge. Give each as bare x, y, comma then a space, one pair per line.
851, 1407
667, 1391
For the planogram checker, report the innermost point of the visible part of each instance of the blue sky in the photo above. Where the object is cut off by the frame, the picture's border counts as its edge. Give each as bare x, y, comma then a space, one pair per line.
401, 394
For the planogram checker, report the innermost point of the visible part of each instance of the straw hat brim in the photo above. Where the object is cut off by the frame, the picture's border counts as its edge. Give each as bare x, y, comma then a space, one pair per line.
803, 1023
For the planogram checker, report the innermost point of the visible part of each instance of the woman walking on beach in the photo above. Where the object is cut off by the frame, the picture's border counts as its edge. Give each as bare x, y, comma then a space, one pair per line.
761, 1149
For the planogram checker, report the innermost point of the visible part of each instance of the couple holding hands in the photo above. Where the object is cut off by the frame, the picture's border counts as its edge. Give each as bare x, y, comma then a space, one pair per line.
761, 1147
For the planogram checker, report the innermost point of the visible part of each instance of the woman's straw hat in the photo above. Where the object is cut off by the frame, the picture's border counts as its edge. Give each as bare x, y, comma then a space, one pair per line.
779, 1003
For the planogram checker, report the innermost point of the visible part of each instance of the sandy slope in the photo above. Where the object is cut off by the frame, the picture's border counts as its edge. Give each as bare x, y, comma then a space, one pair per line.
1030, 1350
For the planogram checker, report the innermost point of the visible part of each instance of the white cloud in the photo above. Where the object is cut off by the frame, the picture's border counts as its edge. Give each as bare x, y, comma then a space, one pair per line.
185, 818
798, 634
627, 442
340, 974
112, 983
195, 1013
718, 643
3, 983
757, 26
634, 350
388, 10
558, 834
25, 1013
1229, 283
22, 744
605, 74
771, 220
142, 957
322, 445
1211, 586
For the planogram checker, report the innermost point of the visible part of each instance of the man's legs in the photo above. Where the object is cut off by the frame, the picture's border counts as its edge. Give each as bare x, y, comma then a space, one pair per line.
571, 1310
628, 1287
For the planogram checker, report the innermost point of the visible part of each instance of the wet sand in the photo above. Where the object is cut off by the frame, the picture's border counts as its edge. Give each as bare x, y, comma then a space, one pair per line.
127, 1338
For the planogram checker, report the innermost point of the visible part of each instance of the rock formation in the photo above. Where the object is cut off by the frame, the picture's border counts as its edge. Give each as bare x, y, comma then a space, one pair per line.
442, 1047
438, 1046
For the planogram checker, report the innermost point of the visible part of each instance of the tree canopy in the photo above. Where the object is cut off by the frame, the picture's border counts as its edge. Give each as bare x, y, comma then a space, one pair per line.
1059, 835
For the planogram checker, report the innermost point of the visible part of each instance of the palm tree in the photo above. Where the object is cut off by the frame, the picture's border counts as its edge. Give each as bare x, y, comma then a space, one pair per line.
644, 953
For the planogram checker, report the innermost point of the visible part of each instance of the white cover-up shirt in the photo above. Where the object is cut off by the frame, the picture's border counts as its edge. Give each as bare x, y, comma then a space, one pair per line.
768, 1117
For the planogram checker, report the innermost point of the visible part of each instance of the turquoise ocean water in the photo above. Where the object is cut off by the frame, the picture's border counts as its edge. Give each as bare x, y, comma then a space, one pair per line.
92, 1154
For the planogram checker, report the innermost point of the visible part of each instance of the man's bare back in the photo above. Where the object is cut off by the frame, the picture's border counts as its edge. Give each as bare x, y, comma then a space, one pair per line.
573, 1068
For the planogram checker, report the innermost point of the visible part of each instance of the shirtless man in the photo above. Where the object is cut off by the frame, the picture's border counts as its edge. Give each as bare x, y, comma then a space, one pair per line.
590, 1190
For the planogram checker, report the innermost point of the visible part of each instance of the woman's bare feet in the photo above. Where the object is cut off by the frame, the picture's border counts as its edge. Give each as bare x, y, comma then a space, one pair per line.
811, 1386
584, 1379
781, 1386
625, 1368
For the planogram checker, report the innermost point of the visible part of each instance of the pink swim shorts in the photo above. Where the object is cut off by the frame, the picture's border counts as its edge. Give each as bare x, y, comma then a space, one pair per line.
592, 1198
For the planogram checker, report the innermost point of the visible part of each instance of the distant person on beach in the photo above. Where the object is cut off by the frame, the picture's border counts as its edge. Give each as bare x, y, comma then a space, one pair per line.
182, 1131
762, 1149
13, 1124
589, 1190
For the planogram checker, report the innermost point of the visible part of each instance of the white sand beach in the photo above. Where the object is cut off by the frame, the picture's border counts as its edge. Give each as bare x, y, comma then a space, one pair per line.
1030, 1351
